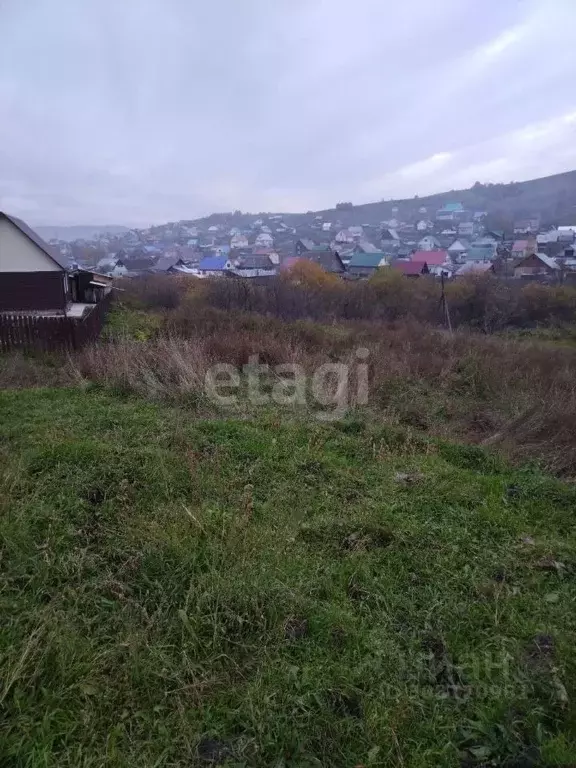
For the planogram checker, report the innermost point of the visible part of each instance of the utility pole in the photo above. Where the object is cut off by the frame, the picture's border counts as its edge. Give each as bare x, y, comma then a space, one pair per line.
444, 303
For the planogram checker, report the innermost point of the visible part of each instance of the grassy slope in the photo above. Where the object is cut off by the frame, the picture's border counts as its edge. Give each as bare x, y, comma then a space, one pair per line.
175, 591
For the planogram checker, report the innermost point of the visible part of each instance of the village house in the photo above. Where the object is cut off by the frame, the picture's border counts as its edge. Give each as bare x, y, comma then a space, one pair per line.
466, 229
536, 264
112, 266
265, 239
34, 276
389, 239
35, 279
523, 248
429, 243
238, 240
366, 264
450, 212
42, 302
458, 248
411, 268
303, 244
479, 253
271, 253
527, 226
330, 261
364, 246
344, 236
214, 266
474, 268
253, 266
436, 262
567, 234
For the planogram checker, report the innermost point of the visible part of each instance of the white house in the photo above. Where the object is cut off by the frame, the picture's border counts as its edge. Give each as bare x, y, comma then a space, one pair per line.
344, 236
356, 231
265, 240
566, 234
429, 243
457, 248
111, 266
327, 226
118, 270
422, 225
466, 228
239, 241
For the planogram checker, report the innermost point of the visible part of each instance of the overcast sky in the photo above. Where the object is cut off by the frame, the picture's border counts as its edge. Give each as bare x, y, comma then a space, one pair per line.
141, 111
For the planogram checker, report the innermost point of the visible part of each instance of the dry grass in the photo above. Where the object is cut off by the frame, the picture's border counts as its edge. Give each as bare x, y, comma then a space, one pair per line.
514, 393
518, 395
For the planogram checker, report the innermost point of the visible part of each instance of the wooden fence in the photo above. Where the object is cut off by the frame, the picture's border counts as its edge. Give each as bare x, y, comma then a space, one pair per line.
27, 332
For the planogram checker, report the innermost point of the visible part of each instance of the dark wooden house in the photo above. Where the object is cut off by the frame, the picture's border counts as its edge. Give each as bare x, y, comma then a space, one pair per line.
33, 276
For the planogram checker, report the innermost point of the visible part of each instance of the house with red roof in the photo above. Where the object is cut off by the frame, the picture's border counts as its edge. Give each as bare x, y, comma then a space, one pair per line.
432, 258
436, 261
411, 268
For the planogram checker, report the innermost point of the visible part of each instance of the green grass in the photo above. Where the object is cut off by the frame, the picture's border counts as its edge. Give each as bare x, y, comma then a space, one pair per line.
266, 593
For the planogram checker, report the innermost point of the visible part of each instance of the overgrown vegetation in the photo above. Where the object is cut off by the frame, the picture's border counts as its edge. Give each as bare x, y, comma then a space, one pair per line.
179, 592
484, 303
514, 389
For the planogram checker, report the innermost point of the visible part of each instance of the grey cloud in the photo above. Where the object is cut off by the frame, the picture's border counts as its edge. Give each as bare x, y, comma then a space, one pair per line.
150, 110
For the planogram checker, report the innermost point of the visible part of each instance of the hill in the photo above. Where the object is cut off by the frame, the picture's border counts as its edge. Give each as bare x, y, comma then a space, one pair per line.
551, 197
79, 231
179, 592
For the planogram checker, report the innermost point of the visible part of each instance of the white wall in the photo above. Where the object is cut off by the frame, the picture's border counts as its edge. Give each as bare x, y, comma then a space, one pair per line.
19, 254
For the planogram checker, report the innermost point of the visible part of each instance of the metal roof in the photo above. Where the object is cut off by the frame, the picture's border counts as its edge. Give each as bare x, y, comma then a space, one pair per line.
367, 259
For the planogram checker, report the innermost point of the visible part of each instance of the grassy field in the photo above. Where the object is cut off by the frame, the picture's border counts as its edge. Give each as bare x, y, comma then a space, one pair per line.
177, 592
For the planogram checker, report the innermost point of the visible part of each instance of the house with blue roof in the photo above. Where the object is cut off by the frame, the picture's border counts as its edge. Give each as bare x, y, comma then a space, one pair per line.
214, 266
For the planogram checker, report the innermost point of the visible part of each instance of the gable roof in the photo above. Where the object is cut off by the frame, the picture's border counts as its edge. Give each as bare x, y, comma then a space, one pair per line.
165, 262
480, 253
551, 263
411, 267
459, 245
474, 268
432, 258
138, 263
367, 259
328, 260
52, 253
255, 261
306, 242
213, 263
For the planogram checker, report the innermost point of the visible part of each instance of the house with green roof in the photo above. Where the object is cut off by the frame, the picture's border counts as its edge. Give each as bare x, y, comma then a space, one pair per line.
480, 253
366, 264
450, 212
